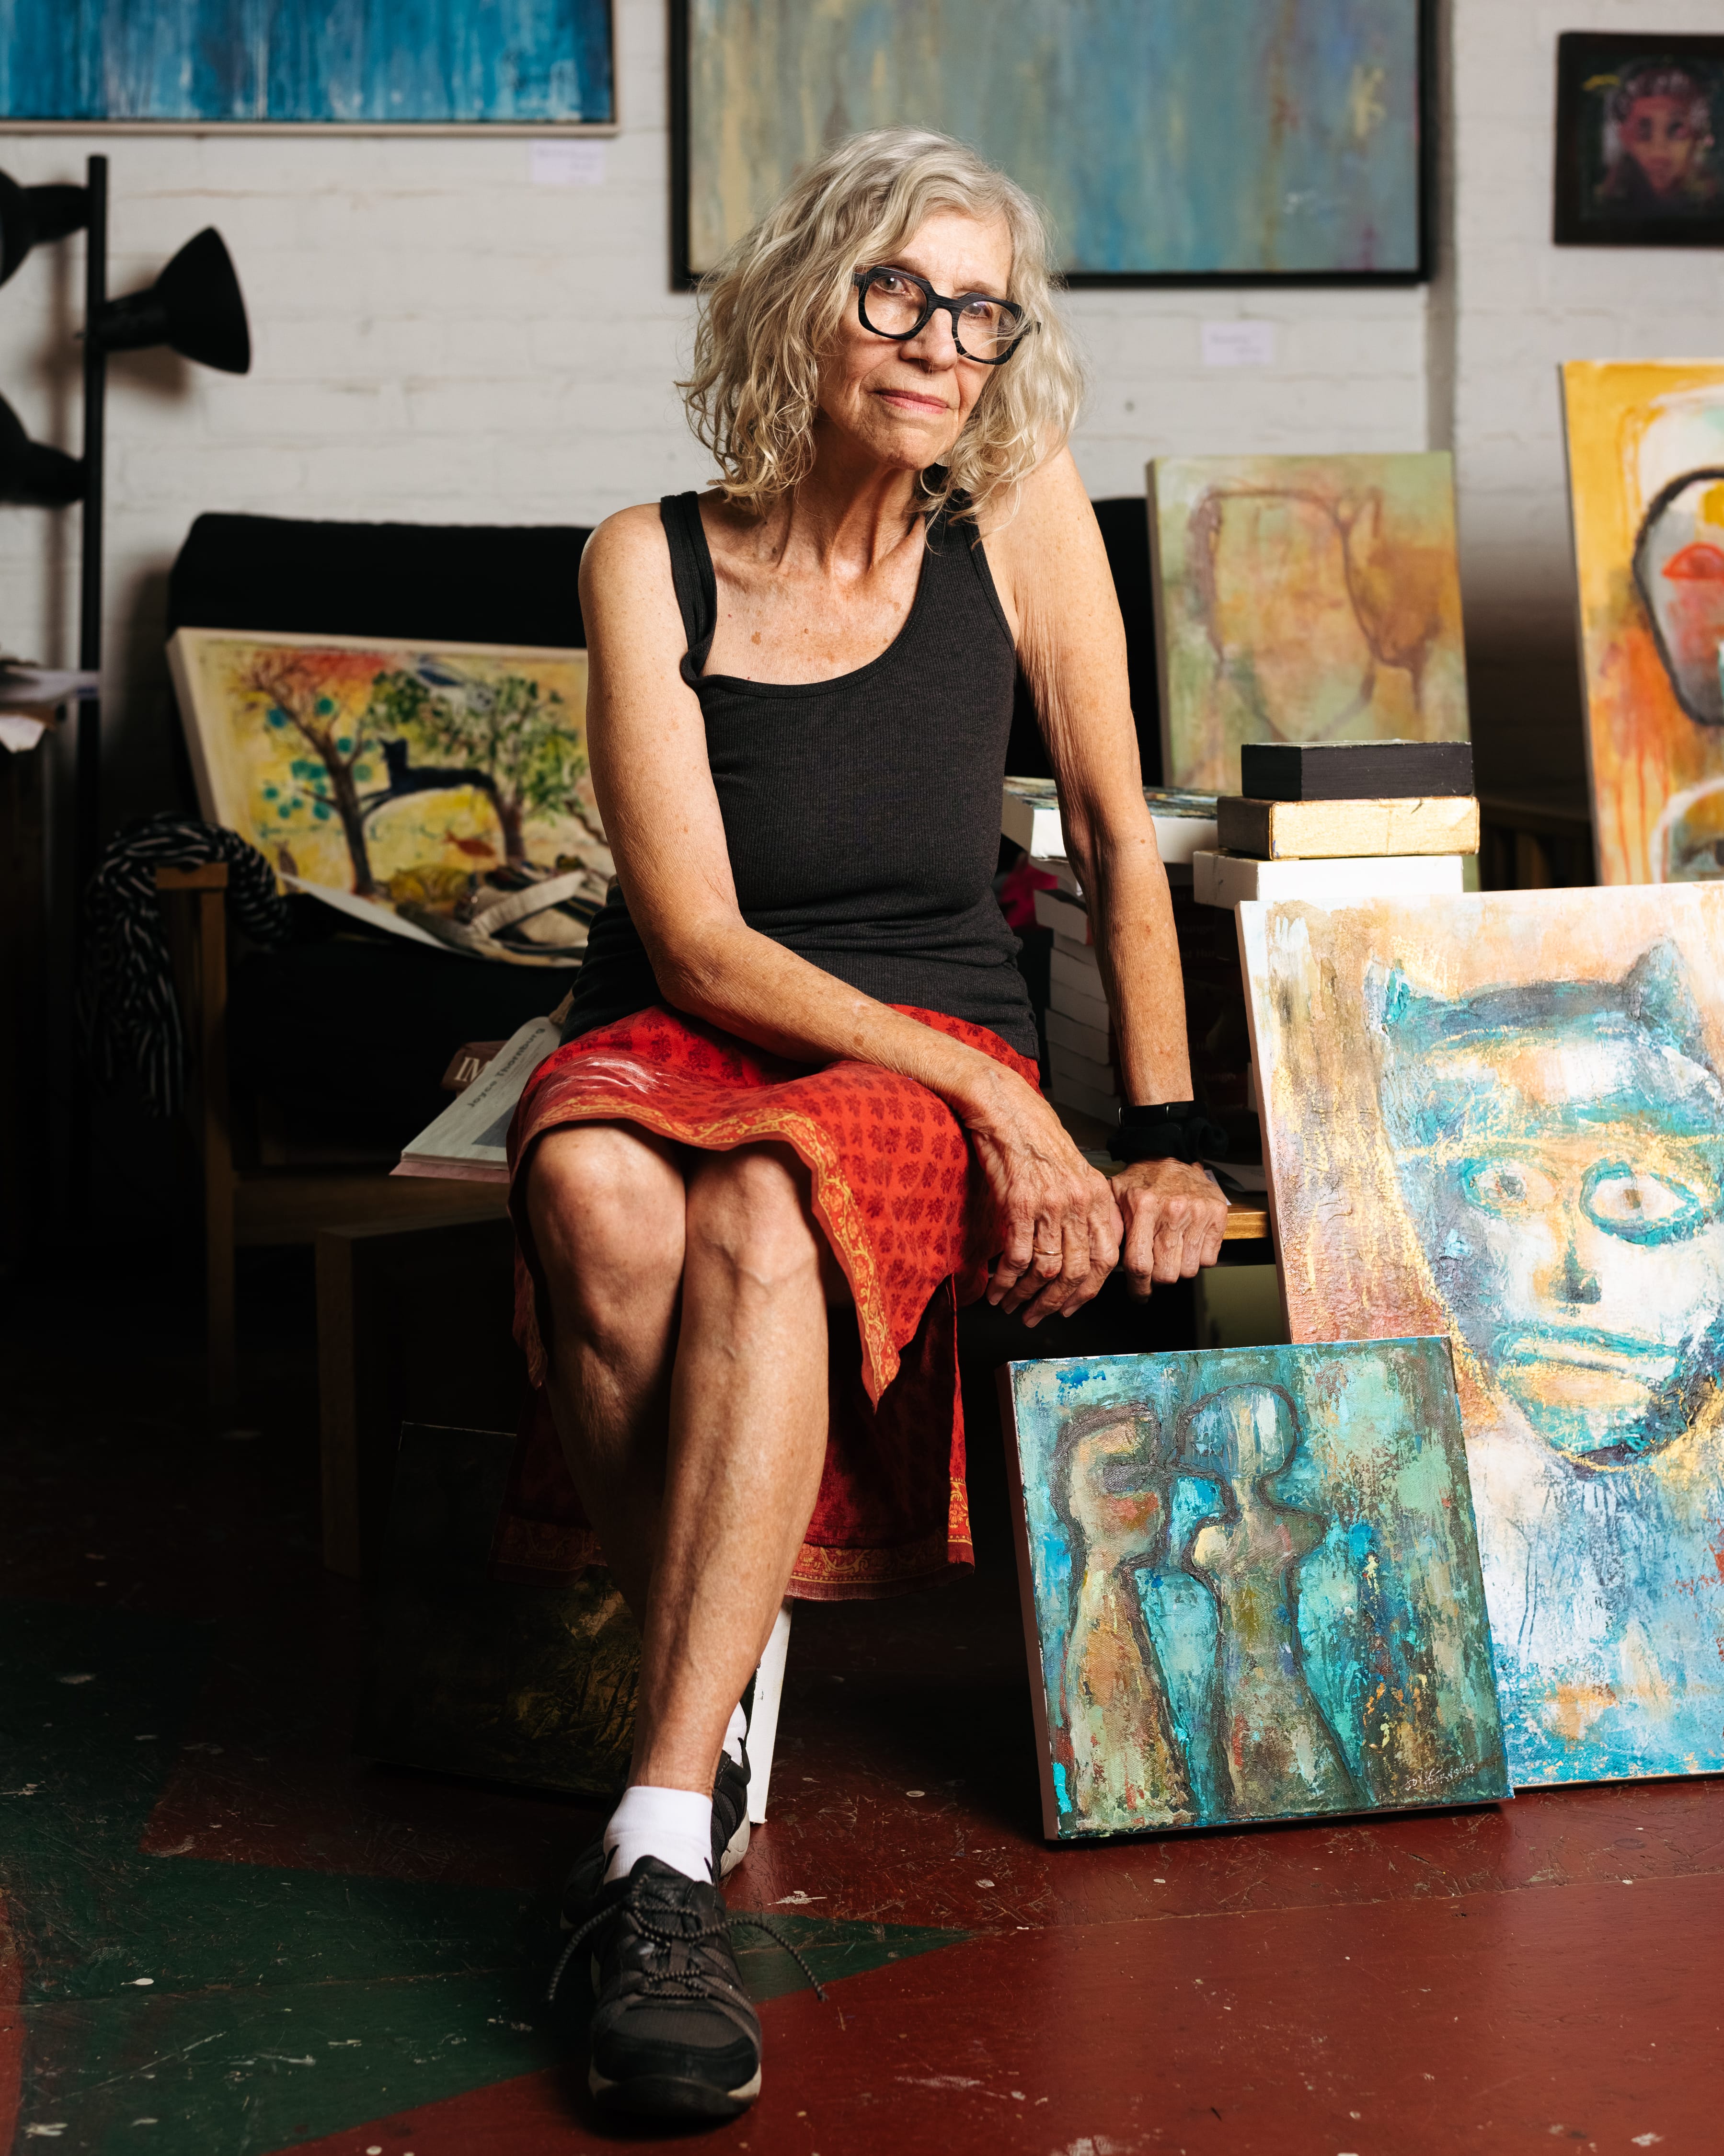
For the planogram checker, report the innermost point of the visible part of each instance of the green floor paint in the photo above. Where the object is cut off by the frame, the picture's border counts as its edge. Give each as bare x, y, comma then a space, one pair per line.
280, 2004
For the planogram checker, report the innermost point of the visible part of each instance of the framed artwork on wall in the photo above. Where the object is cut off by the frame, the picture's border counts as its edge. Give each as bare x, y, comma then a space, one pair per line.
358, 64
1183, 144
1640, 140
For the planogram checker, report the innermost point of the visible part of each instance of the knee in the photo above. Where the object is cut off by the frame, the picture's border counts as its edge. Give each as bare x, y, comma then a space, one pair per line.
747, 1209
606, 1211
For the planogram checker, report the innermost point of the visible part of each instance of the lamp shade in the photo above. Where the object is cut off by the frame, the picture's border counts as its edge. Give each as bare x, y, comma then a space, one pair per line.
30, 215
193, 307
31, 472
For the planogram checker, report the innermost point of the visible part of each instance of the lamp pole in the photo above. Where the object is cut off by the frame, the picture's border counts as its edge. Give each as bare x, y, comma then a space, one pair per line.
88, 834
87, 787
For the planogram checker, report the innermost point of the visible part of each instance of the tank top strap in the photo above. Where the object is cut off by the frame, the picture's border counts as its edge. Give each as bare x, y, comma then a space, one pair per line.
692, 573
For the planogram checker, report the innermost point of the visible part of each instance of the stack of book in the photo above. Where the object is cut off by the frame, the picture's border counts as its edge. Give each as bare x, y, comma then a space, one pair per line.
1333, 822
1080, 1056
1080, 1060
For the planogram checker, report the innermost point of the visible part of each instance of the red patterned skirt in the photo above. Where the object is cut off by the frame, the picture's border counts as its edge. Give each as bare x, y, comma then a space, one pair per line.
898, 1194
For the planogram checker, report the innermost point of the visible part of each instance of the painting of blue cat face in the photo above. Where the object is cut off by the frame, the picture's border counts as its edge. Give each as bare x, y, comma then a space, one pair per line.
1564, 1144
1509, 1124
1251, 1586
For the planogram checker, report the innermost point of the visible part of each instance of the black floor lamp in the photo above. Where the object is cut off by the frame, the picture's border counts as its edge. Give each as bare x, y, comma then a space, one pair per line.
194, 308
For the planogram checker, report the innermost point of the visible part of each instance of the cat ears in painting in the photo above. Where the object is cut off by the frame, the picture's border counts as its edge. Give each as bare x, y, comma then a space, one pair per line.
1652, 996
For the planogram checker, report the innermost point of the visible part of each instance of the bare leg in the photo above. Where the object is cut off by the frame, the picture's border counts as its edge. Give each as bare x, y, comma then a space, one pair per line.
606, 1207
748, 1417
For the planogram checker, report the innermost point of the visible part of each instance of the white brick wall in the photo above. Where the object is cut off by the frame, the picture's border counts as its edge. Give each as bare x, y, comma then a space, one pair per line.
438, 338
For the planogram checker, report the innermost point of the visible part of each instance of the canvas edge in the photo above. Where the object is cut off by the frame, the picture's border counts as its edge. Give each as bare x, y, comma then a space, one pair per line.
184, 647
299, 639
1164, 717
1257, 908
1564, 366
1005, 1382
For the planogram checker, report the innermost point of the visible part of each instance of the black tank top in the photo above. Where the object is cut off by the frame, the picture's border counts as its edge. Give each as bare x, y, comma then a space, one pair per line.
862, 814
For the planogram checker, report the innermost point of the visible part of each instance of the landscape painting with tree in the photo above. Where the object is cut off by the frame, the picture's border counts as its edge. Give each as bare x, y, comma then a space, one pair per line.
417, 783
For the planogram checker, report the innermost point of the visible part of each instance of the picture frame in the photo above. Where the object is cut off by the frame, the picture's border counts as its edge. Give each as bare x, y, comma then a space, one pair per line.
1640, 158
322, 70
1398, 84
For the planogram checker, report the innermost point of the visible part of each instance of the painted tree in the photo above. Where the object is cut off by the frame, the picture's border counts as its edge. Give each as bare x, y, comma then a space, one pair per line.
511, 735
294, 695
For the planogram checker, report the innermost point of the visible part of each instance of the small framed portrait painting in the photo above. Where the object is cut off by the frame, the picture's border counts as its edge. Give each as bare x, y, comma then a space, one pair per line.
1640, 140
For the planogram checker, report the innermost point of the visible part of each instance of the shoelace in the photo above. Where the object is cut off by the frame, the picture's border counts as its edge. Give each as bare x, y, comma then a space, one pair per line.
704, 1935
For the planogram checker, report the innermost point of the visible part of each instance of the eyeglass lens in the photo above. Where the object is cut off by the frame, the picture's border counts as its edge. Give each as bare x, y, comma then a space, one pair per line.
893, 305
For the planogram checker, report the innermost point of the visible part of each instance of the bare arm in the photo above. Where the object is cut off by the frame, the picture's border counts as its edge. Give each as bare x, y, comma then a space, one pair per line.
654, 785
1052, 570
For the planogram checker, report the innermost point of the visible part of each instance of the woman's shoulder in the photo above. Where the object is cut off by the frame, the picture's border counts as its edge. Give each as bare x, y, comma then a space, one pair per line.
627, 545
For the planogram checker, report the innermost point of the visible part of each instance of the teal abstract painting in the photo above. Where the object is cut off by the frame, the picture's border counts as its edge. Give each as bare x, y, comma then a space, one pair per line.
1188, 139
1502, 1116
1251, 1586
354, 63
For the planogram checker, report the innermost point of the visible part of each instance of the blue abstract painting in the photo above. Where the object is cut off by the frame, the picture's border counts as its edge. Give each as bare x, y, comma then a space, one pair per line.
1190, 138
1502, 1116
1252, 1587
359, 62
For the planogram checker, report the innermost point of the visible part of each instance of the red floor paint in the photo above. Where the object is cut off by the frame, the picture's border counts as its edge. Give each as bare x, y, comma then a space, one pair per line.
11, 2032
1585, 2018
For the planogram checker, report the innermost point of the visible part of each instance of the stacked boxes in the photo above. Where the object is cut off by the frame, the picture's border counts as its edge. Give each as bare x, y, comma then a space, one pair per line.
1080, 1034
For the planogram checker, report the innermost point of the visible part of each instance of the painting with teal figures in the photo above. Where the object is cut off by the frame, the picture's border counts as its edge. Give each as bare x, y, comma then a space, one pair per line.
1191, 139
1252, 1588
357, 62
1502, 1116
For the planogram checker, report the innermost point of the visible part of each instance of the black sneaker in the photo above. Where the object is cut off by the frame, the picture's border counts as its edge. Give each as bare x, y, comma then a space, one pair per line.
729, 1842
673, 2035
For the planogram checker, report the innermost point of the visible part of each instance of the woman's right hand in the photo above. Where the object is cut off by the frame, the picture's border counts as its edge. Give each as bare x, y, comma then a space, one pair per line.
1057, 1227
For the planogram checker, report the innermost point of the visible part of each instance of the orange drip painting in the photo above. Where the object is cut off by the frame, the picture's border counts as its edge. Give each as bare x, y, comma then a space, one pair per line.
1646, 490
1303, 599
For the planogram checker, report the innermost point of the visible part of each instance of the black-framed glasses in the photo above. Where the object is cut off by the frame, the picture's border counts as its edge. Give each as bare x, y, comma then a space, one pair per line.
899, 304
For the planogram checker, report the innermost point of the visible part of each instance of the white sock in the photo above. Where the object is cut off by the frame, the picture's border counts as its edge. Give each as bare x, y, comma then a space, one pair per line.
734, 1735
674, 1825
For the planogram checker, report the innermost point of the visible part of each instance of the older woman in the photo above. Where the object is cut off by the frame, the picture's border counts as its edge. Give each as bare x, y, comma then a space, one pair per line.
796, 1117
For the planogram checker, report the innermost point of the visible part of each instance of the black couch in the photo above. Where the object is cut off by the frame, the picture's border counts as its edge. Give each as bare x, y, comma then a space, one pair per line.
348, 1033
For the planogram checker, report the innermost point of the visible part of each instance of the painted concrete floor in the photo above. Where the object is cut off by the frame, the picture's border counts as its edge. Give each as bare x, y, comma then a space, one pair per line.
227, 1937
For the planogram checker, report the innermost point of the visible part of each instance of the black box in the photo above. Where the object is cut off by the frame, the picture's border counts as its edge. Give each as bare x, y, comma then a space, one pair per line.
1354, 771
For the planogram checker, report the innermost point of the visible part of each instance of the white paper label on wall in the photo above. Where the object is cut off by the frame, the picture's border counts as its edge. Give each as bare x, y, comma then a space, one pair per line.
1239, 344
568, 164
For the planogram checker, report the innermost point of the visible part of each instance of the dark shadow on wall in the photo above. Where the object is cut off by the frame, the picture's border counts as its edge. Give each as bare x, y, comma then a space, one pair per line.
1525, 695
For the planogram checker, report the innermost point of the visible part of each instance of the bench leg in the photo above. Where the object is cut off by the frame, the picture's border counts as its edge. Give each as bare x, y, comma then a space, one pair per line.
764, 1722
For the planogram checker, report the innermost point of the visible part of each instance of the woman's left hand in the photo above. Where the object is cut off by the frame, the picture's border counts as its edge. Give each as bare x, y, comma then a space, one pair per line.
1174, 1216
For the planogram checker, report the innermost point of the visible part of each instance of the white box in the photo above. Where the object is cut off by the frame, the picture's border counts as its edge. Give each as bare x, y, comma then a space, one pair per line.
1029, 817
1228, 879
1068, 917
1066, 1064
1103, 1107
1082, 1038
1074, 987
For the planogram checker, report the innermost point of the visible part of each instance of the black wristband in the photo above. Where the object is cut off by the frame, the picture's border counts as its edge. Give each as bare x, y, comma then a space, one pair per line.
1166, 1130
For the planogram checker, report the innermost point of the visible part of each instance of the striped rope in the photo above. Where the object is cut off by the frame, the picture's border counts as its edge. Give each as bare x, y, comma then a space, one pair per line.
130, 1014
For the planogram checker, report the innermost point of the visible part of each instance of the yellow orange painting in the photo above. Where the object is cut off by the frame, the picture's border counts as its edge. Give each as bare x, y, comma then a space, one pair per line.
1303, 599
1646, 490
